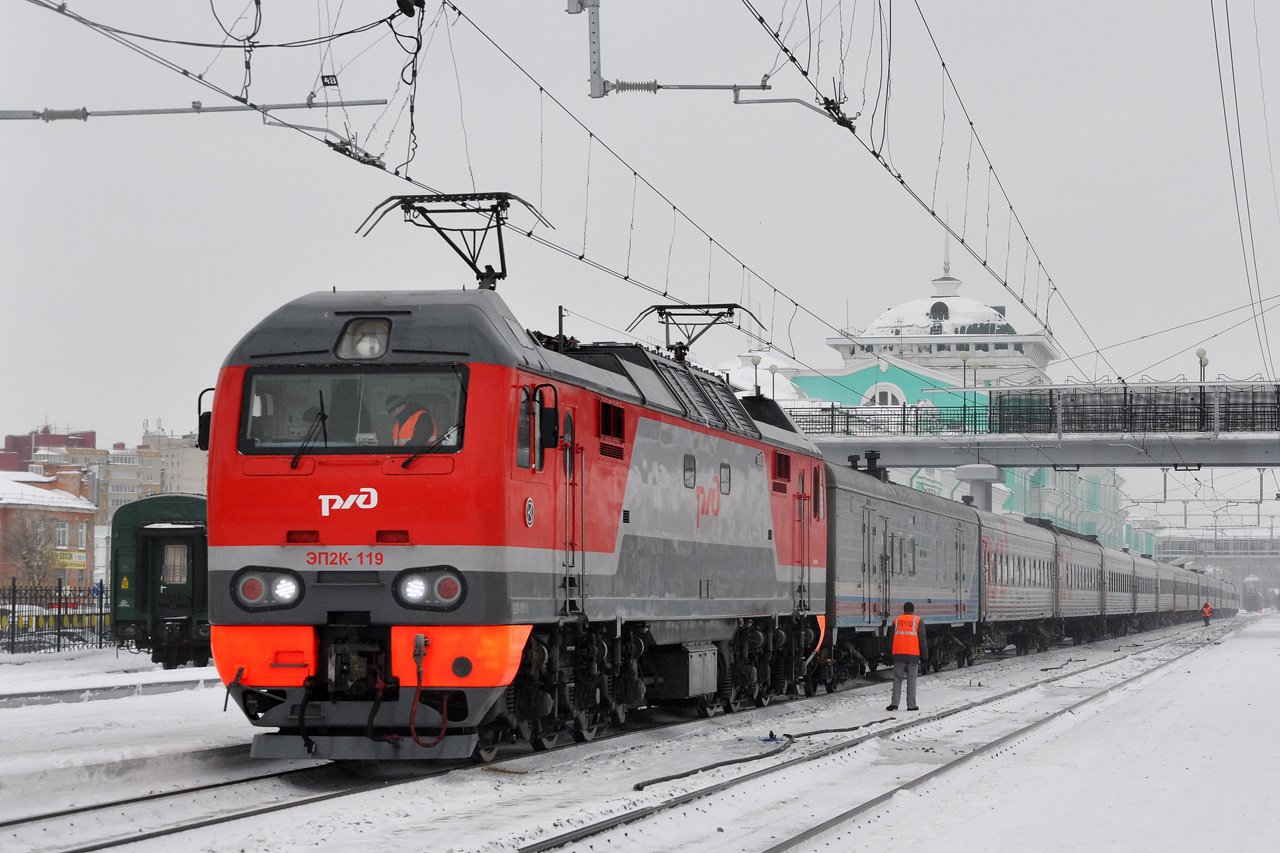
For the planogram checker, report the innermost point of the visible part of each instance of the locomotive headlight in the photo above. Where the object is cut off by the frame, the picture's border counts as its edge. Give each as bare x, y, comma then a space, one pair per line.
440, 588
284, 590
413, 588
364, 338
262, 588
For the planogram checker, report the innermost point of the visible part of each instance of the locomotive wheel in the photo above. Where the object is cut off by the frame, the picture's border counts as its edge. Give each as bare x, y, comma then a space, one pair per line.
200, 660
765, 698
585, 734
485, 754
541, 743
830, 686
618, 715
170, 664
707, 706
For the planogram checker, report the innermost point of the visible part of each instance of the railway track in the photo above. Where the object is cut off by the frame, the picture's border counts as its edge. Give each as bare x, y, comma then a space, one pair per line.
133, 819
779, 807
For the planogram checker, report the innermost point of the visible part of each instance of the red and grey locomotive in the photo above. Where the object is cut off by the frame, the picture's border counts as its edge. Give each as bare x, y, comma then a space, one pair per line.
578, 532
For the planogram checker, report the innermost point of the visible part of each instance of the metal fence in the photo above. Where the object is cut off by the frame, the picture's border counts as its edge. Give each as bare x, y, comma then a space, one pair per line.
1214, 410
53, 618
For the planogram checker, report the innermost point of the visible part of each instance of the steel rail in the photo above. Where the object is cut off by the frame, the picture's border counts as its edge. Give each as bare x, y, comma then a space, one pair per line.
849, 814
600, 827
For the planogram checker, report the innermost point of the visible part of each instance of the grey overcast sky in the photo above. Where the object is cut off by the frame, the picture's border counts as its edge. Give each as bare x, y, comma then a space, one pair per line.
136, 251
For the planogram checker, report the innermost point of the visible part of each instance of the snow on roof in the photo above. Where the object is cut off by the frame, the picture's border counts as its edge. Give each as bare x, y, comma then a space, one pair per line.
15, 490
944, 313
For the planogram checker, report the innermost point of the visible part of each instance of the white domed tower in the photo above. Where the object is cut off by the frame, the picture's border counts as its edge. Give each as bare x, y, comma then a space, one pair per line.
934, 331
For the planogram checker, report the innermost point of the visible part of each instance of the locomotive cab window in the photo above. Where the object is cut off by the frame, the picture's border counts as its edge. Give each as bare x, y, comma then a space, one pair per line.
726, 478
690, 471
353, 409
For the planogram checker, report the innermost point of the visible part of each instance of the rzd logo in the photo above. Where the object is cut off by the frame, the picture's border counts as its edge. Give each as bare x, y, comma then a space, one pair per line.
366, 498
708, 501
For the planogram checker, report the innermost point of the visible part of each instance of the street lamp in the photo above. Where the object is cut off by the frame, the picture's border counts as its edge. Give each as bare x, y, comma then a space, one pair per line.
964, 357
1203, 355
773, 380
755, 372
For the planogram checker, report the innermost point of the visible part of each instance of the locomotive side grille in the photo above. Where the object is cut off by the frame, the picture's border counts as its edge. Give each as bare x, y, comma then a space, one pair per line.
612, 451
780, 487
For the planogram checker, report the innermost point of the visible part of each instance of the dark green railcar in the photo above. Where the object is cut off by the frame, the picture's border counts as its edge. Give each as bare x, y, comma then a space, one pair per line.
159, 578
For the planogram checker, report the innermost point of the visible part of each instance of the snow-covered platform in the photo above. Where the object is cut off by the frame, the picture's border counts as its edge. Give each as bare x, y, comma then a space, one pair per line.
1185, 759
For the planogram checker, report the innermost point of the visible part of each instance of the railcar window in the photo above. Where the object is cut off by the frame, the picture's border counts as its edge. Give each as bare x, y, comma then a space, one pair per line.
612, 422
523, 445
353, 410
176, 568
726, 478
566, 438
690, 471
781, 466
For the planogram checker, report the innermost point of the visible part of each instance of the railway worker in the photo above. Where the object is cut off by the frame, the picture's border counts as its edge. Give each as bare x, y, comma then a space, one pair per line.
413, 424
909, 648
1207, 613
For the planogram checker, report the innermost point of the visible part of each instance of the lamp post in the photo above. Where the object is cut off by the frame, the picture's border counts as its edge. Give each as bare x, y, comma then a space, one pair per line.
964, 357
1203, 355
755, 372
773, 381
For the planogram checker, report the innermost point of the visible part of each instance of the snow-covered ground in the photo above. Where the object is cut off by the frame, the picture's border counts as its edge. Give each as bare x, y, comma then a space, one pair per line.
1183, 760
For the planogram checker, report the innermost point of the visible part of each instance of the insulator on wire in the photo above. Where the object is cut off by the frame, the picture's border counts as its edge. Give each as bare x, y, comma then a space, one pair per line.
650, 86
55, 115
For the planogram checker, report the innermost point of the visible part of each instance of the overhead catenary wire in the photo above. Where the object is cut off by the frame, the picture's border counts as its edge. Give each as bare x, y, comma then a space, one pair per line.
1259, 326
677, 213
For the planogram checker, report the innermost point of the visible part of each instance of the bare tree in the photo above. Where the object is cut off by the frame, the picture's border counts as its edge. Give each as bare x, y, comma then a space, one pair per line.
28, 548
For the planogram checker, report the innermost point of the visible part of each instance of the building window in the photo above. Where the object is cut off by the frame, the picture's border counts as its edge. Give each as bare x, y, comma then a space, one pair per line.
84, 534
60, 531
882, 396
939, 311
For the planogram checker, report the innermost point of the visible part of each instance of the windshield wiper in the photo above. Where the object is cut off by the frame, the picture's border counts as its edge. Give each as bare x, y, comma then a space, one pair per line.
319, 426
455, 430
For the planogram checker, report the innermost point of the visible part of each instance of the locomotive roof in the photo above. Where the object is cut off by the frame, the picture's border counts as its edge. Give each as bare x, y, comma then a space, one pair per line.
445, 326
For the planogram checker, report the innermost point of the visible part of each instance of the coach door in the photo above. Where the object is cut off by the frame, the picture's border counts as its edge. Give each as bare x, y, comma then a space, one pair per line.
884, 564
957, 575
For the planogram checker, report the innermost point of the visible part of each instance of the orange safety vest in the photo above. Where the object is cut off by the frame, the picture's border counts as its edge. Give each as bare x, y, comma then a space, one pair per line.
906, 635
1207, 610
404, 431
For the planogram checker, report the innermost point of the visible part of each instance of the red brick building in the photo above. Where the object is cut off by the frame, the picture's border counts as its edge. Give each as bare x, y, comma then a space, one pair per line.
19, 450
46, 529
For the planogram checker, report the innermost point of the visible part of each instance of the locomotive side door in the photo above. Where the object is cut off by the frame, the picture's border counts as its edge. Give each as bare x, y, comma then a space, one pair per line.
800, 547
572, 509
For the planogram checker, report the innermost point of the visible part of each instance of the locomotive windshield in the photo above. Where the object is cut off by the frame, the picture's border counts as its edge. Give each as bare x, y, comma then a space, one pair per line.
340, 410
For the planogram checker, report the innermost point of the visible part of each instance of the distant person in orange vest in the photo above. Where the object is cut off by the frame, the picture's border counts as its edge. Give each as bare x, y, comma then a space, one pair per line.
909, 648
1207, 613
413, 424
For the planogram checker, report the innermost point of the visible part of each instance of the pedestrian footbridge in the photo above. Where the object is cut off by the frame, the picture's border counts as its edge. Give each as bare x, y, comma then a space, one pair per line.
1183, 425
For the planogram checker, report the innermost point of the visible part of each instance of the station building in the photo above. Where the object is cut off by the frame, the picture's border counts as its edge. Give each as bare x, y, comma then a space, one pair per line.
941, 352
